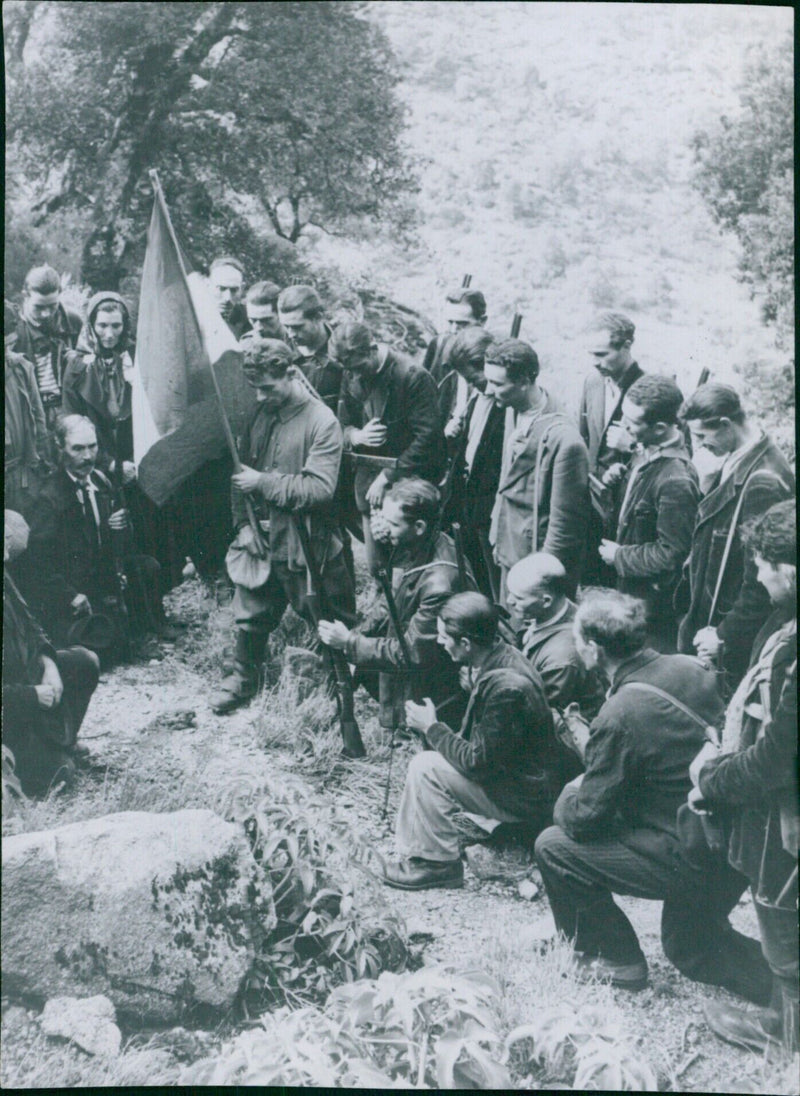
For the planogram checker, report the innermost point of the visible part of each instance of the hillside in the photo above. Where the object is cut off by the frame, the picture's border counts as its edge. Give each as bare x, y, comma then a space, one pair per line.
556, 170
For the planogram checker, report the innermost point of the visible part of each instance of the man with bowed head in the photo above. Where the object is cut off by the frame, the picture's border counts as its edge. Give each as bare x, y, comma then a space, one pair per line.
463, 308
302, 319
616, 829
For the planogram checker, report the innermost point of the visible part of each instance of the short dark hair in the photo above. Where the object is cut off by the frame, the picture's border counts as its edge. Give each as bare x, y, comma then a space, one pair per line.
615, 621
620, 329
226, 260
304, 297
712, 402
470, 616
473, 297
265, 356
65, 423
468, 348
350, 337
418, 499
773, 536
263, 293
518, 358
42, 279
660, 398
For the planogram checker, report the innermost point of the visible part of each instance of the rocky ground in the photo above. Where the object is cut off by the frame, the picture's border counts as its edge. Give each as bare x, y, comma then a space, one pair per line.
156, 745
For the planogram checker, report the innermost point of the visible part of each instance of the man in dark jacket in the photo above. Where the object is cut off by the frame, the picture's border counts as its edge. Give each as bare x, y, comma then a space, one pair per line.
615, 826
45, 331
80, 549
291, 454
45, 692
754, 781
26, 448
302, 318
463, 308
502, 763
425, 574
543, 495
719, 594
660, 493
387, 410
599, 420
537, 595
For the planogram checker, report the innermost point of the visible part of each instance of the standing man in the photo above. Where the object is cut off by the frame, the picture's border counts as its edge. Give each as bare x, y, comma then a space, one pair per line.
601, 428
302, 318
291, 454
720, 595
615, 826
226, 279
537, 595
754, 780
660, 494
46, 330
543, 495
425, 574
463, 308
261, 304
387, 410
501, 763
26, 446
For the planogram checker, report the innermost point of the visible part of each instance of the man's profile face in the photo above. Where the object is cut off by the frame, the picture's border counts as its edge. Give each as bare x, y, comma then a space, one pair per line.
633, 420
402, 532
779, 580
527, 600
264, 320
454, 647
360, 363
717, 437
108, 327
504, 392
586, 651
610, 361
226, 287
39, 309
458, 316
304, 332
80, 450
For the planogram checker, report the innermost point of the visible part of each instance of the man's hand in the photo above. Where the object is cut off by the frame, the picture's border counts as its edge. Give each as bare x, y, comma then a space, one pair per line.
334, 634
420, 717
247, 480
377, 489
617, 437
608, 550
707, 643
80, 605
613, 474
128, 471
453, 428
576, 781
52, 678
709, 752
373, 435
118, 520
465, 679
696, 801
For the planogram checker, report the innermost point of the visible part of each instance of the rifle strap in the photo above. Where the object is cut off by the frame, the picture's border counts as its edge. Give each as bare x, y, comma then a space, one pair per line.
709, 730
728, 545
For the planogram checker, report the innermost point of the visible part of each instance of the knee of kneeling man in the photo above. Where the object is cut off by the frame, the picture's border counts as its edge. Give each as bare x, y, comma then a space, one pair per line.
424, 763
548, 841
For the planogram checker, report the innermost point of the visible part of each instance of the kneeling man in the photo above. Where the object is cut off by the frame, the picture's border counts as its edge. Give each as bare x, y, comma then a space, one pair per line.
502, 763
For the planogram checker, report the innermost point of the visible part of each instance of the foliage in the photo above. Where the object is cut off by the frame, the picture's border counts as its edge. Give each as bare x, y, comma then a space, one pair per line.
12, 789
745, 172
433, 1028
331, 927
255, 114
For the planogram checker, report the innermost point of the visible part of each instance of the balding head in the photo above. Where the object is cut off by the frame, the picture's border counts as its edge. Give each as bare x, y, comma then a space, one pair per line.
537, 586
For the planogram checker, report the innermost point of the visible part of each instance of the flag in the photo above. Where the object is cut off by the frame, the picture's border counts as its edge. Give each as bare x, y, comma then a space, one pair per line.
180, 335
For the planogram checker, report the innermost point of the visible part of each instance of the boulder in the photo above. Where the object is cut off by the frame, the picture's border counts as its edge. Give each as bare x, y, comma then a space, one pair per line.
159, 912
502, 865
89, 1022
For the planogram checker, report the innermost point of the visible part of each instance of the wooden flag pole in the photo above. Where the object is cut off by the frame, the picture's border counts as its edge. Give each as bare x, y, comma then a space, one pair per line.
226, 426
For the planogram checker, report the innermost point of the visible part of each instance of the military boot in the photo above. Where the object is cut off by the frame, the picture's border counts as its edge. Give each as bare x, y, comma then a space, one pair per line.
241, 684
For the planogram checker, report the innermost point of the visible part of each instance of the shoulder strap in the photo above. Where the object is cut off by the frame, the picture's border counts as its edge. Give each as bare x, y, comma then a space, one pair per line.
644, 686
728, 545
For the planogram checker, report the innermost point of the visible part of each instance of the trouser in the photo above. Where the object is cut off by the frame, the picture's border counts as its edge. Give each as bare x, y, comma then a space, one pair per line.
697, 938
433, 796
260, 610
143, 593
479, 553
41, 745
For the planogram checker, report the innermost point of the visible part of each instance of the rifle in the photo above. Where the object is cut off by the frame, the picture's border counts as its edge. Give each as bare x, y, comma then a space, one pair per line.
516, 324
119, 544
705, 373
385, 583
352, 744
466, 281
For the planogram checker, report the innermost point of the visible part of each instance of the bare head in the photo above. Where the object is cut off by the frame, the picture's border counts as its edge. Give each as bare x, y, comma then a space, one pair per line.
40, 296
715, 419
261, 304
467, 626
609, 628
537, 586
267, 367
226, 278
612, 338
302, 317
76, 440
465, 308
511, 368
353, 346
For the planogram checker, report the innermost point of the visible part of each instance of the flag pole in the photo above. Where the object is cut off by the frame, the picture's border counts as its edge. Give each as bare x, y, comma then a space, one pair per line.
226, 426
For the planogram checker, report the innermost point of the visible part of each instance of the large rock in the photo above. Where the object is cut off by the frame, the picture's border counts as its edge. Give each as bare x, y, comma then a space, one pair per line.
89, 1022
159, 912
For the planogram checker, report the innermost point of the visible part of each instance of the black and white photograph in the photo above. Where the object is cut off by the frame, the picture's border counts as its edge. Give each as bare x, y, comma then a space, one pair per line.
399, 672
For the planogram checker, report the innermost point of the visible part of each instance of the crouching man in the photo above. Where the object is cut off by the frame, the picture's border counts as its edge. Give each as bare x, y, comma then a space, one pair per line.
616, 830
502, 763
291, 455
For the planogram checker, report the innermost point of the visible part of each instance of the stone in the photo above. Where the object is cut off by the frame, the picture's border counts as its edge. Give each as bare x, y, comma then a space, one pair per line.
303, 671
159, 912
89, 1022
527, 889
506, 866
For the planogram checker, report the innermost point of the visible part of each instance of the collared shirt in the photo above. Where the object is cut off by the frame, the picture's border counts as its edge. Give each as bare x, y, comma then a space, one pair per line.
611, 397
733, 459
83, 489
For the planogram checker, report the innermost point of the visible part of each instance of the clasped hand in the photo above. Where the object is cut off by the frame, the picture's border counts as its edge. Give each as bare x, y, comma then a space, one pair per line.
333, 634
246, 479
420, 717
51, 687
373, 435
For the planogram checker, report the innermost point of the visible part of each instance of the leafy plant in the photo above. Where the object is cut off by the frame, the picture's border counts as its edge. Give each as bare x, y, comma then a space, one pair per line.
12, 789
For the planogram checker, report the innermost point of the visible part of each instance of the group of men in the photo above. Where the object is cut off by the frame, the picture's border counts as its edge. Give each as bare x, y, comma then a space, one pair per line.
564, 610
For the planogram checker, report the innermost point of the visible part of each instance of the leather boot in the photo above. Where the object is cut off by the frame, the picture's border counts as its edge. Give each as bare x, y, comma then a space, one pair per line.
755, 1029
415, 873
241, 684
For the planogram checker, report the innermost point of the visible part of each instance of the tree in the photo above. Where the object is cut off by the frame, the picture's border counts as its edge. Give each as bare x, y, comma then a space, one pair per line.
745, 173
284, 110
